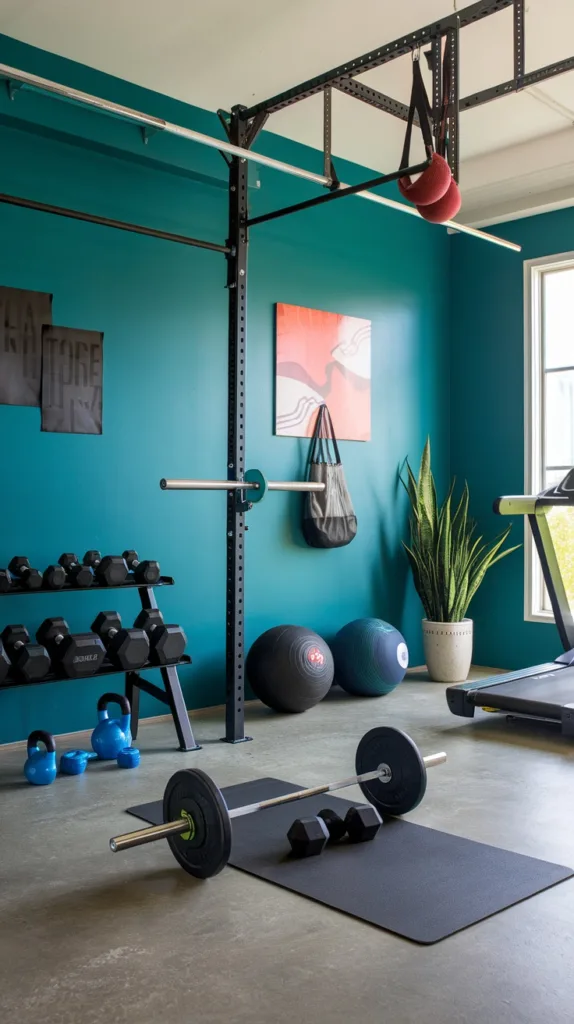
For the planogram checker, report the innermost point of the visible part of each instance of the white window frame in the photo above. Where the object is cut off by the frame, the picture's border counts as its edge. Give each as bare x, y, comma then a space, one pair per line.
534, 419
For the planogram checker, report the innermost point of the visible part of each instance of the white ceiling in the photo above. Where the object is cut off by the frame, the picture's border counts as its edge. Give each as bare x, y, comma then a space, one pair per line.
517, 153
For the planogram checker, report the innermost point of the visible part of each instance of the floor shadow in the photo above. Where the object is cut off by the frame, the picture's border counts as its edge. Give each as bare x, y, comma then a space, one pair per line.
6, 785
13, 777
503, 729
337, 695
90, 902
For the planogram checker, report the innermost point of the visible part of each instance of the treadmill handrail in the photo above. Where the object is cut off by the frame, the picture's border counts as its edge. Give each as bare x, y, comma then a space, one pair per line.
537, 504
538, 508
526, 504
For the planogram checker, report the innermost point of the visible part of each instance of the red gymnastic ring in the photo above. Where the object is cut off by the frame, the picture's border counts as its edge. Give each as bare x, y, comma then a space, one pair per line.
431, 186
445, 208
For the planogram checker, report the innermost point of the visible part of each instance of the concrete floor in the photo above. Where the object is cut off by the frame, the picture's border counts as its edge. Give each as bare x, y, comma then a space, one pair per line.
86, 936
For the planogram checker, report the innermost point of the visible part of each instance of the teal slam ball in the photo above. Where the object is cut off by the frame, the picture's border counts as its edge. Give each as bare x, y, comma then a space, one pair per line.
371, 657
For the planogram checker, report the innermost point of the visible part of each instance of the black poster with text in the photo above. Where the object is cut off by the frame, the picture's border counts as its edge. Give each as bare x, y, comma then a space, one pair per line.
22, 316
72, 380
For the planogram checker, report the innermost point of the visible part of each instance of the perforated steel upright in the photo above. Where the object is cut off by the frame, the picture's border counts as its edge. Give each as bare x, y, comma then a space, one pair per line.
237, 306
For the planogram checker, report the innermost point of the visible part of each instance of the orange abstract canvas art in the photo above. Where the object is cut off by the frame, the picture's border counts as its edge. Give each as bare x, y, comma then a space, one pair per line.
322, 357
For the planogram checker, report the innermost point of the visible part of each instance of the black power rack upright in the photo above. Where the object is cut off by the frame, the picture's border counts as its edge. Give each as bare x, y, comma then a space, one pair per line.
242, 127
134, 682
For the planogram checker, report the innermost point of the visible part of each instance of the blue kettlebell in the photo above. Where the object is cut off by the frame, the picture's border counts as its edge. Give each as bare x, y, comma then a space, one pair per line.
112, 734
75, 762
40, 767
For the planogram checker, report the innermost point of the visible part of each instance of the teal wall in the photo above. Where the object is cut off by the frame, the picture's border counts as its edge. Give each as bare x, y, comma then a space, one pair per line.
487, 419
163, 310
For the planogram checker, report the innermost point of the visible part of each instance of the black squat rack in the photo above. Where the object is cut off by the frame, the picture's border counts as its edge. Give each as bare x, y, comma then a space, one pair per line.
170, 694
242, 127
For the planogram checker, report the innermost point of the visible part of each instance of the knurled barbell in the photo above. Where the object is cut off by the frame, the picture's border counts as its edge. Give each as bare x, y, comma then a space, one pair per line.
197, 822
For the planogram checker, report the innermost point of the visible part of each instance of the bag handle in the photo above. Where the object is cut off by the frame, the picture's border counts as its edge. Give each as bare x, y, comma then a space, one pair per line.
322, 438
420, 103
331, 436
314, 448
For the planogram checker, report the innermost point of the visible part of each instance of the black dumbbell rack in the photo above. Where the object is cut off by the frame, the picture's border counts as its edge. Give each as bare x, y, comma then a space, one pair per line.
170, 694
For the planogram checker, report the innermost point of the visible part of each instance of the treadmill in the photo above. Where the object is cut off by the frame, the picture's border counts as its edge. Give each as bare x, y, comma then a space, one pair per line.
543, 692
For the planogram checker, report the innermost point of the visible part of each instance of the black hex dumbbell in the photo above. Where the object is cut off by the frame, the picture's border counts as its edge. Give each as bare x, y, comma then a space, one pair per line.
126, 648
143, 572
6, 582
335, 824
77, 654
111, 570
30, 661
92, 558
308, 837
362, 823
28, 578
167, 643
55, 577
4, 663
78, 575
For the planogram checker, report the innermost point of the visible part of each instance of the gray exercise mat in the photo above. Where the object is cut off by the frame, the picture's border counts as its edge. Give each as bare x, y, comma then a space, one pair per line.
411, 880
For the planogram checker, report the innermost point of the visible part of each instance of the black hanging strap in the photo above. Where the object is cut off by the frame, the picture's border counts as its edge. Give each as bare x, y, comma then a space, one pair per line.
330, 435
446, 88
420, 103
316, 449
323, 437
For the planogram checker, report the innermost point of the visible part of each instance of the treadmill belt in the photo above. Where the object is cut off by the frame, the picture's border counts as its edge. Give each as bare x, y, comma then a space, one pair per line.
545, 694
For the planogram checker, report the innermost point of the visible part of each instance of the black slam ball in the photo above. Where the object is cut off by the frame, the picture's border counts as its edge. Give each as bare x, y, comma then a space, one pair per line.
290, 668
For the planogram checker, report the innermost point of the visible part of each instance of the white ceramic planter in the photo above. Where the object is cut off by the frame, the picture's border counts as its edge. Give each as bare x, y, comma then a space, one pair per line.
448, 650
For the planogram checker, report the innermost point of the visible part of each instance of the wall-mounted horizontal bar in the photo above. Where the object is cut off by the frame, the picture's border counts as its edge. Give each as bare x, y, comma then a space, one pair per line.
238, 485
136, 117
108, 222
381, 55
517, 84
375, 98
76, 96
452, 225
339, 193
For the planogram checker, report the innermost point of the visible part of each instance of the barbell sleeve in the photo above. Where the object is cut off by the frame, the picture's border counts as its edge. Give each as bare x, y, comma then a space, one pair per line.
294, 485
239, 485
149, 835
432, 760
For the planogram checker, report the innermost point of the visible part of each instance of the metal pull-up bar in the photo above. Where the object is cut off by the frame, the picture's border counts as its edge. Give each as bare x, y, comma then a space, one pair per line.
254, 484
147, 121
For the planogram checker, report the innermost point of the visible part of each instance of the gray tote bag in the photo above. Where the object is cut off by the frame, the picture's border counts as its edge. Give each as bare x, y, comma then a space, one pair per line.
329, 520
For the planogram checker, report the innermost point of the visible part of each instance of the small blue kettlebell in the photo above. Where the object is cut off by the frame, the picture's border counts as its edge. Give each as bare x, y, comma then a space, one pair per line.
75, 762
129, 757
112, 734
40, 767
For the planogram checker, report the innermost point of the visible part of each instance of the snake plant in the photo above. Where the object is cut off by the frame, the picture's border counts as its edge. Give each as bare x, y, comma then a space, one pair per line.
447, 559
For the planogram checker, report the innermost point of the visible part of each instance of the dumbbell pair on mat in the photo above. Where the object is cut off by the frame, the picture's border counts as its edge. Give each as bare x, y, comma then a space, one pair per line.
107, 571
111, 740
308, 837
